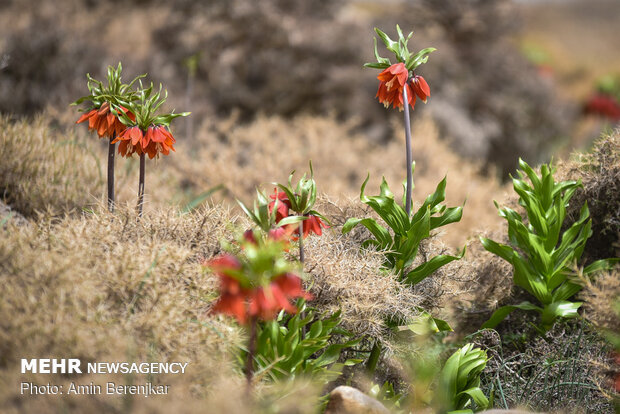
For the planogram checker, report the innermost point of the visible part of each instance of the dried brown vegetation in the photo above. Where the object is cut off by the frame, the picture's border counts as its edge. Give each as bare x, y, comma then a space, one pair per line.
599, 172
75, 276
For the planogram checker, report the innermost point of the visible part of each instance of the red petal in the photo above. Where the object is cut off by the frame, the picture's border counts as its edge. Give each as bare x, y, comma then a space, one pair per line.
135, 134
426, 90
85, 116
223, 262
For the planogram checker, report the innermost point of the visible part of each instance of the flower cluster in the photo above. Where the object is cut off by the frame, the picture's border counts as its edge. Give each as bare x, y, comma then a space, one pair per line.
400, 77
157, 139
279, 214
298, 201
393, 80
258, 282
312, 222
107, 102
147, 133
103, 121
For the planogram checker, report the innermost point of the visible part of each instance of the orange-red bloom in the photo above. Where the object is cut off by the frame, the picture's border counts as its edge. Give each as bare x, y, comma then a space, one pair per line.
157, 139
393, 80
421, 88
104, 121
312, 224
278, 234
283, 205
264, 301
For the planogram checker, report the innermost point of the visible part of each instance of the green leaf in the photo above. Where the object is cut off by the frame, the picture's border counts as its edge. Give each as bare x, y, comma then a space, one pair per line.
426, 269
198, 200
376, 65
381, 234
501, 313
556, 310
478, 396
425, 324
600, 265
291, 220
391, 45
501, 250
451, 215
565, 291
419, 58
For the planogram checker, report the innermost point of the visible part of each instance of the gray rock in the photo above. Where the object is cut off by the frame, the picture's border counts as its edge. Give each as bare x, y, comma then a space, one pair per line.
349, 400
8, 215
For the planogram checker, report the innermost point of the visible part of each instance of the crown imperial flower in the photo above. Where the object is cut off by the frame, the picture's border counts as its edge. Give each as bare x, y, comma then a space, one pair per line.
258, 283
392, 81
147, 133
103, 121
107, 102
398, 77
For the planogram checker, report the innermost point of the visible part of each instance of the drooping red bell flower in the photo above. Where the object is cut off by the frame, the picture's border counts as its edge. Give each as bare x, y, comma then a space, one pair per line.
103, 121
267, 302
281, 234
232, 295
421, 88
392, 81
282, 209
246, 292
156, 140
313, 224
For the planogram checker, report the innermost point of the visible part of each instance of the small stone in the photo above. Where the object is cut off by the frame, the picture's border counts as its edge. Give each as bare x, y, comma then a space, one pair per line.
8, 215
349, 400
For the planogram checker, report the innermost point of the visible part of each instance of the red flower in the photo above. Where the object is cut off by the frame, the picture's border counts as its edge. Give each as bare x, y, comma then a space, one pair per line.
421, 88
393, 80
312, 224
604, 105
268, 301
157, 139
232, 295
283, 204
104, 121
263, 301
278, 234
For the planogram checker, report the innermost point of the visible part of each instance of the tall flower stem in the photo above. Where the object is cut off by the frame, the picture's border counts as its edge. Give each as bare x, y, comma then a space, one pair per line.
408, 149
375, 354
301, 242
111, 148
249, 370
141, 184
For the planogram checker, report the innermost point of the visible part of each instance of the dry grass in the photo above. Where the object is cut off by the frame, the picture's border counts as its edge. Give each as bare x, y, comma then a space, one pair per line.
106, 287
76, 276
269, 148
80, 282
67, 172
601, 298
57, 171
599, 172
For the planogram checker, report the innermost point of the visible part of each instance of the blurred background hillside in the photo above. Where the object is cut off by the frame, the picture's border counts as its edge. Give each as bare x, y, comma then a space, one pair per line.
274, 83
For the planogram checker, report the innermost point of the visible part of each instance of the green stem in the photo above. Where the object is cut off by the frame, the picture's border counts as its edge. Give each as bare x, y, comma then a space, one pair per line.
408, 149
373, 359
